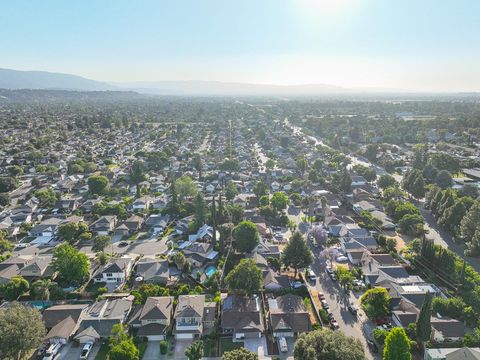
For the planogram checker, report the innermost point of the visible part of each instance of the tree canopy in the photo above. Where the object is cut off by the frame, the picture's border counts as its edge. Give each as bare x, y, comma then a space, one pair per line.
397, 345
71, 264
376, 302
296, 253
246, 236
245, 277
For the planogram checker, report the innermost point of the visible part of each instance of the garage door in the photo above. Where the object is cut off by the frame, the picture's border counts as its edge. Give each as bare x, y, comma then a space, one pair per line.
155, 337
184, 336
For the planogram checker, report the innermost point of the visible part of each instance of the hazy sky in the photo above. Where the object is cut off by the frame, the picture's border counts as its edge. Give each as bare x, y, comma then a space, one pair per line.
407, 44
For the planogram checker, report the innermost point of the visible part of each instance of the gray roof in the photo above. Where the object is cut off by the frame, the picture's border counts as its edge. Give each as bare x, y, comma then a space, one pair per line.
241, 313
190, 306
156, 308
288, 312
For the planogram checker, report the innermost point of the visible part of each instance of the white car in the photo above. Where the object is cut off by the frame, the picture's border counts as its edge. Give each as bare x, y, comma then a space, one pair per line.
283, 344
86, 350
341, 259
21, 245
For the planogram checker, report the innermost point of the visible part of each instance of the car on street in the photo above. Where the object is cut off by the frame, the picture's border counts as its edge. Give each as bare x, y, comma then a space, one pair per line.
321, 296
329, 270
311, 275
333, 277
372, 346
123, 243
334, 324
282, 342
325, 305
330, 316
297, 284
353, 309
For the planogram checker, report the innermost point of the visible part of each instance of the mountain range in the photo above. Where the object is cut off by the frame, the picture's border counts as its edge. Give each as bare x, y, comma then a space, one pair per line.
15, 79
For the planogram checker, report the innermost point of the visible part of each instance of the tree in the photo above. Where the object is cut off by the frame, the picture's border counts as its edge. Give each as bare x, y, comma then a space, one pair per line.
118, 334
444, 179
137, 172
260, 189
296, 253
179, 260
467, 190
185, 187
197, 164
376, 303
7, 184
279, 201
231, 191
16, 287
100, 242
245, 277
430, 173
97, 184
71, 264
443, 161
195, 351
4, 199
239, 354
412, 224
397, 345
200, 209
41, 289
124, 350
386, 181
246, 236
469, 223
424, 327
418, 188
327, 344
21, 329
301, 164
46, 198
69, 231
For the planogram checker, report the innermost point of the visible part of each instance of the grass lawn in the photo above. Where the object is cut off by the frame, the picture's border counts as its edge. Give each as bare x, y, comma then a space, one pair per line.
210, 347
102, 353
226, 344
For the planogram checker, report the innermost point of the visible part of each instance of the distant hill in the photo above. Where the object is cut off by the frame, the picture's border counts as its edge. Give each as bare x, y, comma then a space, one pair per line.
206, 88
15, 79
73, 96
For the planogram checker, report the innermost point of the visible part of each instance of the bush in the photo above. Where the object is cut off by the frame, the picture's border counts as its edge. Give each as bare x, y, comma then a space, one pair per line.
163, 347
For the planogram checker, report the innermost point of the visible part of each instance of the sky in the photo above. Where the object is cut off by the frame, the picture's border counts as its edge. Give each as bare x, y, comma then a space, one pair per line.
423, 45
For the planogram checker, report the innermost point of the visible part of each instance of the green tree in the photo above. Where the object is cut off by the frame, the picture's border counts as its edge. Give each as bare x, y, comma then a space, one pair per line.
260, 189
124, 350
469, 223
46, 198
239, 354
386, 181
71, 264
21, 330
444, 179
41, 289
179, 260
195, 351
301, 164
185, 187
279, 201
430, 173
100, 242
16, 287
397, 345
246, 236
376, 303
424, 327
231, 191
418, 188
7, 184
69, 231
327, 344
97, 184
118, 334
137, 172
4, 199
245, 277
296, 253
200, 209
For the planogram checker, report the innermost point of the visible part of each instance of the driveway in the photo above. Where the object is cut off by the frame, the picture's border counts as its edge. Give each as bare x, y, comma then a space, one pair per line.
180, 346
73, 350
152, 352
257, 345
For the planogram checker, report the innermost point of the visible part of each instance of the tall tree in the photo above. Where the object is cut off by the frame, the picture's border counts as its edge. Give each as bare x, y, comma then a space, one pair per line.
71, 264
469, 223
296, 253
246, 236
41, 289
424, 327
100, 242
245, 277
397, 345
21, 329
97, 184
200, 209
195, 351
137, 172
376, 302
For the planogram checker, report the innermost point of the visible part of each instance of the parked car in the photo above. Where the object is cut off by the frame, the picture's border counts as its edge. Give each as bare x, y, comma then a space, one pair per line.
321, 296
297, 284
325, 305
123, 243
283, 344
334, 324
52, 352
372, 346
330, 316
21, 245
353, 309
311, 275
333, 277
342, 258
86, 350
329, 270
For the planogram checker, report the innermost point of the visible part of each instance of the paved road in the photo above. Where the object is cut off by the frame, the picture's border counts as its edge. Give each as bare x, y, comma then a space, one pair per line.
443, 238
357, 327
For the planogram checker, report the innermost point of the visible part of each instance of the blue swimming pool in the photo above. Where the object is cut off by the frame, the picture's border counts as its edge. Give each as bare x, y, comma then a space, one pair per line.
210, 270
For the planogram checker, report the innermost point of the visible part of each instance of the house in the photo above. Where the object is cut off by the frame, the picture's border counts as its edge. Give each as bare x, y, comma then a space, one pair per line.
288, 316
39, 267
116, 271
189, 316
153, 319
7, 271
102, 315
62, 331
88, 334
133, 223
153, 270
66, 205
46, 228
104, 225
464, 353
358, 181
274, 281
158, 223
197, 254
57, 313
142, 204
242, 317
447, 329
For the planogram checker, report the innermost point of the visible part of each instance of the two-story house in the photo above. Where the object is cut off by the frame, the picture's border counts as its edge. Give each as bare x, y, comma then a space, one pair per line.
116, 271
153, 319
189, 316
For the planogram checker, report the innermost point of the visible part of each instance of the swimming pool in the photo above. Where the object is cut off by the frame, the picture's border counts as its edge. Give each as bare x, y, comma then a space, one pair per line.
210, 270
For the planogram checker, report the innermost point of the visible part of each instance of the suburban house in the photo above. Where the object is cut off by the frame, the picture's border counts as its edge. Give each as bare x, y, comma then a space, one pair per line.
39, 267
464, 353
288, 316
142, 204
153, 319
242, 317
198, 254
104, 225
116, 271
153, 270
447, 329
189, 316
62, 321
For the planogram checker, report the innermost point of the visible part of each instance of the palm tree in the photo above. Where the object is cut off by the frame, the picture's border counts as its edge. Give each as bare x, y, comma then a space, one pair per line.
323, 202
41, 289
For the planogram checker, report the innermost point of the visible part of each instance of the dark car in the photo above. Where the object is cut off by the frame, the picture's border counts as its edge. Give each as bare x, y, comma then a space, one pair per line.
352, 309
123, 243
372, 346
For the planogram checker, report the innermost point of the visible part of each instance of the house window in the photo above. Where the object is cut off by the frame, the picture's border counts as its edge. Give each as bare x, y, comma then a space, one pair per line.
109, 275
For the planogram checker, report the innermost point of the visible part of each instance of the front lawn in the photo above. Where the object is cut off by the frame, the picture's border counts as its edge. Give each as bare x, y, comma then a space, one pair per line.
102, 353
226, 344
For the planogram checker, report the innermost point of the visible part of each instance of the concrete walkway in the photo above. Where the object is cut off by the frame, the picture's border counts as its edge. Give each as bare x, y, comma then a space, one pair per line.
152, 352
